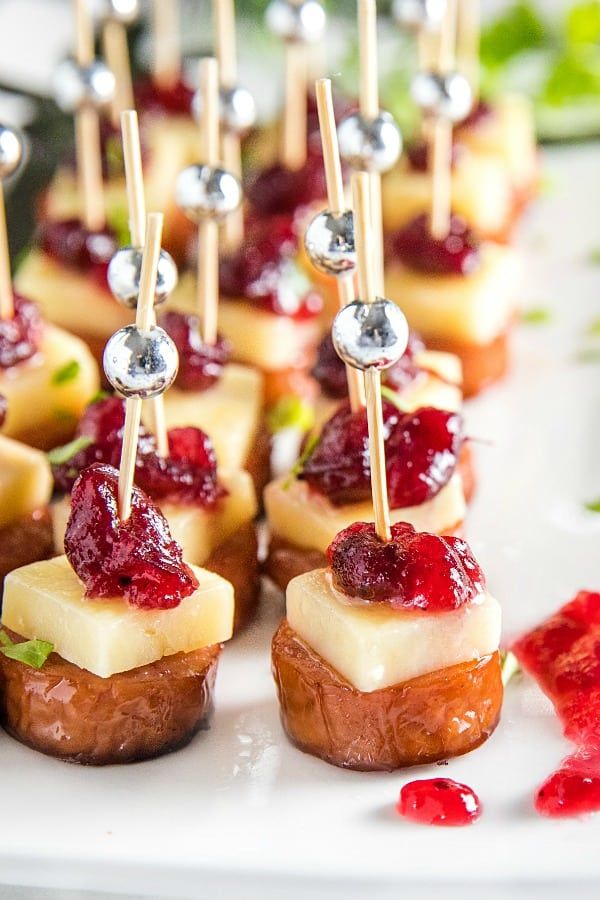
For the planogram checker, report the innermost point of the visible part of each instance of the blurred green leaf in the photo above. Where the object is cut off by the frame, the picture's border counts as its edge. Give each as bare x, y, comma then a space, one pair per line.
518, 28
582, 24
573, 76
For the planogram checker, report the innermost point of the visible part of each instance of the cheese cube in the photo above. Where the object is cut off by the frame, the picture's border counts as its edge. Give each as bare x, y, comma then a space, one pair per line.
25, 480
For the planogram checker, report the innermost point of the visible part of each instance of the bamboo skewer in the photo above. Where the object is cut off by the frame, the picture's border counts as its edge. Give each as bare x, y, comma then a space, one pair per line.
441, 135
87, 130
136, 205
293, 151
468, 41
367, 277
208, 229
116, 53
143, 321
166, 63
337, 204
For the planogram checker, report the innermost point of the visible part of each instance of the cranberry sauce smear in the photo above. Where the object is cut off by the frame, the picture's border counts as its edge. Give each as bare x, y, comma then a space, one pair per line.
480, 114
422, 450
330, 371
200, 365
262, 270
563, 655
456, 254
21, 335
439, 801
156, 100
415, 570
280, 191
187, 476
70, 243
136, 559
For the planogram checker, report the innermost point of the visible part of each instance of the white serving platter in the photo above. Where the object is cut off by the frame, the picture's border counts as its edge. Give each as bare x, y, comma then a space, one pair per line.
243, 814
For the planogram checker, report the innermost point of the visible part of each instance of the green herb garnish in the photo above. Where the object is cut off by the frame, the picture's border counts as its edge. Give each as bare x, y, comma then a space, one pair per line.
594, 256
118, 221
67, 372
290, 412
582, 24
536, 315
31, 653
509, 666
593, 329
311, 442
593, 505
61, 455
388, 394
517, 30
99, 395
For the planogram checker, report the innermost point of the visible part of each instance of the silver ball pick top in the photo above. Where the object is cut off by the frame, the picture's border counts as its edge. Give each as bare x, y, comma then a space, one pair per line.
237, 110
206, 192
124, 273
370, 145
419, 15
140, 363
329, 242
446, 96
301, 22
370, 335
11, 151
77, 87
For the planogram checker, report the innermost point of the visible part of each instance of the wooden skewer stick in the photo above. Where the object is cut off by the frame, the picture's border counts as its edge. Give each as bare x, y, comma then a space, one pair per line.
337, 204
87, 130
136, 205
369, 109
225, 42
166, 65
441, 136
367, 278
208, 229
468, 40
293, 151
143, 320
7, 307
116, 53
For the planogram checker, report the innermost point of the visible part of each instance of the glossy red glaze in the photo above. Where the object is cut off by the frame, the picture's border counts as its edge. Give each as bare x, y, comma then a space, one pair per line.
563, 655
415, 570
439, 801
21, 335
200, 365
136, 559
70, 243
456, 254
422, 450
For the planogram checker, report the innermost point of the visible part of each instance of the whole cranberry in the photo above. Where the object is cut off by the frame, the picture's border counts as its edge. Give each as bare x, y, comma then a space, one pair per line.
136, 559
281, 191
200, 365
70, 243
415, 570
21, 334
455, 254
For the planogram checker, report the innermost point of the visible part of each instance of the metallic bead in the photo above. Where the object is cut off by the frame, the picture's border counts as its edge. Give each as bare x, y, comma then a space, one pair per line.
442, 96
301, 22
329, 242
11, 151
237, 110
78, 86
373, 146
140, 363
124, 11
207, 192
370, 335
416, 15
124, 273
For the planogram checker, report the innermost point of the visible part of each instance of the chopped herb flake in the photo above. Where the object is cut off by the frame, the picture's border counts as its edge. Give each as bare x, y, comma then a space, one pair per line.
509, 667
67, 372
31, 653
593, 505
536, 315
290, 412
61, 455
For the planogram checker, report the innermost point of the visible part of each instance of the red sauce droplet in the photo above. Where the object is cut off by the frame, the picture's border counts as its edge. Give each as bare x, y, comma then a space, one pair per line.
156, 100
136, 559
70, 243
439, 801
456, 254
200, 365
563, 655
422, 450
263, 271
21, 335
187, 476
415, 570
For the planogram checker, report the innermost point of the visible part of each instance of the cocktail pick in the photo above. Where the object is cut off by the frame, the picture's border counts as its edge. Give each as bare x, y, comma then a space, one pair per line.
371, 334
297, 23
370, 140
140, 361
468, 41
124, 271
207, 193
116, 16
329, 238
444, 97
85, 86
166, 60
422, 19
11, 153
237, 110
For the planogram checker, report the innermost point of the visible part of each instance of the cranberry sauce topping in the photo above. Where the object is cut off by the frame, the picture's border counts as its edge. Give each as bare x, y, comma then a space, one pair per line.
330, 371
136, 559
21, 335
200, 365
187, 476
417, 155
480, 113
456, 254
563, 655
3, 409
281, 191
263, 271
69, 242
176, 100
422, 450
439, 801
415, 570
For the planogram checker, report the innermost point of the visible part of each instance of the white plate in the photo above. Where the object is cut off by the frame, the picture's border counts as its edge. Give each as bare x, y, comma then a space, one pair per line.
242, 812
